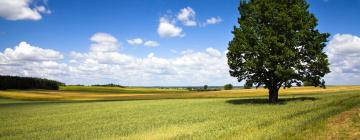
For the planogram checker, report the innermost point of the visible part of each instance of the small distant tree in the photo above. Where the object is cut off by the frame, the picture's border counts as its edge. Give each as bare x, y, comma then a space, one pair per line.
228, 87
248, 85
205, 87
277, 45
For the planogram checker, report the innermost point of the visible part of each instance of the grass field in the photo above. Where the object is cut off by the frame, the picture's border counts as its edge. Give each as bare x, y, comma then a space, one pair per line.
115, 93
302, 113
98, 89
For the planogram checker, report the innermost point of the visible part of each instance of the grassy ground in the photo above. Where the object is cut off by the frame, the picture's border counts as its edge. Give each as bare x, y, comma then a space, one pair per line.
115, 93
238, 114
98, 89
345, 125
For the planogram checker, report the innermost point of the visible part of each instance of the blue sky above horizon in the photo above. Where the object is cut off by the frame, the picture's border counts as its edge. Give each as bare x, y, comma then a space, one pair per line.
130, 32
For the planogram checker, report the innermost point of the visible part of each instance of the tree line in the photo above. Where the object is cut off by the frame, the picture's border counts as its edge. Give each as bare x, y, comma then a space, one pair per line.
17, 82
109, 85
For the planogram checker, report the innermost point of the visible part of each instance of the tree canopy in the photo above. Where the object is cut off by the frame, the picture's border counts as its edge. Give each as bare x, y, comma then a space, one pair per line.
228, 87
16, 82
277, 45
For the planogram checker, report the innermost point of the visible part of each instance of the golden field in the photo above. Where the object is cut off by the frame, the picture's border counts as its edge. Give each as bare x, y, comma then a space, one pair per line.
114, 93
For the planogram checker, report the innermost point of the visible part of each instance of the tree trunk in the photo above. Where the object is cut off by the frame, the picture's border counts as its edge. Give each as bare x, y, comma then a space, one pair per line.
273, 95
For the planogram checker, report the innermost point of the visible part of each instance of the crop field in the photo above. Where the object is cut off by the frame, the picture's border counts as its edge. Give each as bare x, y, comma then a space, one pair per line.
150, 113
98, 89
115, 93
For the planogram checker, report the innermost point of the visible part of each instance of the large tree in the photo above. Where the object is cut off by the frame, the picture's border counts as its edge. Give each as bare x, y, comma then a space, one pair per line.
277, 45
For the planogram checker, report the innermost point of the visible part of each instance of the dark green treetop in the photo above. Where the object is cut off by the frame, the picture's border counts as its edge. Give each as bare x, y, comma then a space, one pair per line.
228, 87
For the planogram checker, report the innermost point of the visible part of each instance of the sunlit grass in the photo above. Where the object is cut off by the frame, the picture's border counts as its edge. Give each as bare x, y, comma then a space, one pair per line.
297, 116
98, 89
115, 93
345, 125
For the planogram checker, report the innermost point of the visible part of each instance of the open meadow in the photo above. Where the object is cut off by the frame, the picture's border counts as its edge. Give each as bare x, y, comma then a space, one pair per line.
179, 70
150, 113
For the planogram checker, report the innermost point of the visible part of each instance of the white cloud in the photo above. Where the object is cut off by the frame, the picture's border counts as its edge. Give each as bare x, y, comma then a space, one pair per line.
42, 9
139, 41
93, 67
103, 37
168, 29
103, 42
151, 43
187, 67
343, 51
213, 52
135, 41
191, 68
26, 52
21, 10
213, 20
27, 60
187, 16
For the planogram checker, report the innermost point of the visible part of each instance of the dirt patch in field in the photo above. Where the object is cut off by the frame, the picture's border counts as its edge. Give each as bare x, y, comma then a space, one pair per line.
346, 125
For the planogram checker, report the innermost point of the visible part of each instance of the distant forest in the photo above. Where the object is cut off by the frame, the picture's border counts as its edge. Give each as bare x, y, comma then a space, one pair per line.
16, 82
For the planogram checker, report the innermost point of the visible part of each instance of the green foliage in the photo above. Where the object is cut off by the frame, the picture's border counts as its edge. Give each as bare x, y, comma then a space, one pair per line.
277, 44
205, 87
228, 87
310, 83
248, 85
16, 82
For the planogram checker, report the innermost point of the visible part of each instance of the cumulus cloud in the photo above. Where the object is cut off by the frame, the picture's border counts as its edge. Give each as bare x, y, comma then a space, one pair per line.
139, 41
213, 52
26, 52
187, 16
188, 68
103, 42
135, 41
28, 60
343, 51
168, 29
151, 43
213, 20
21, 10
42, 9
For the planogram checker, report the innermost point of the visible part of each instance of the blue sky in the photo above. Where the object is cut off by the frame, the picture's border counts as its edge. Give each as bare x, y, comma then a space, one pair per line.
67, 26
71, 23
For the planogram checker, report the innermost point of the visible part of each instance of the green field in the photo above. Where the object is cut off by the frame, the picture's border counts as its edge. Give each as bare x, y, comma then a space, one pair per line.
97, 89
302, 113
